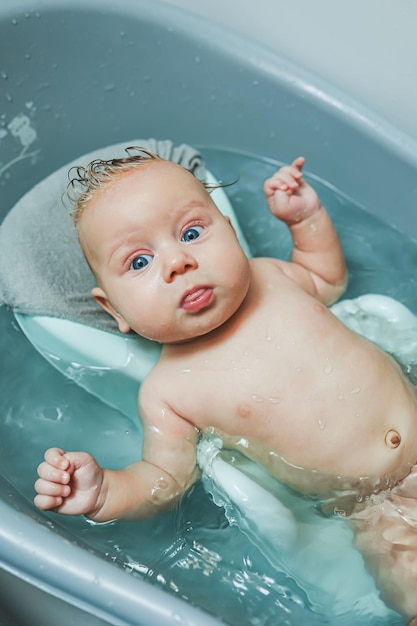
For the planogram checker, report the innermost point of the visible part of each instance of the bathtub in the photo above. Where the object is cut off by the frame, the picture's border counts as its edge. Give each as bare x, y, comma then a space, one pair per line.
78, 75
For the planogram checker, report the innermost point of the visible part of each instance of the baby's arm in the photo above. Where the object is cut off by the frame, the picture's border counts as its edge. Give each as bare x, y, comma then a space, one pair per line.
317, 261
73, 483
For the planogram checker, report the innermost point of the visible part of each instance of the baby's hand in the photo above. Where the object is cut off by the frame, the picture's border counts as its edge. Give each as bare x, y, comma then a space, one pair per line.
69, 482
289, 197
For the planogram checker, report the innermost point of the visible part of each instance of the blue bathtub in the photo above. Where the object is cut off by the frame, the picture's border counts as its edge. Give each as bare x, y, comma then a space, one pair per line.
78, 75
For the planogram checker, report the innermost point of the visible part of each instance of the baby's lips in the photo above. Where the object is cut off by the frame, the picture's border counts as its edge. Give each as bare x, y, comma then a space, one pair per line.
197, 299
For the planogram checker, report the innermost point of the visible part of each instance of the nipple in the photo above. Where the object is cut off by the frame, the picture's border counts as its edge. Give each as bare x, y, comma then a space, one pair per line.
392, 439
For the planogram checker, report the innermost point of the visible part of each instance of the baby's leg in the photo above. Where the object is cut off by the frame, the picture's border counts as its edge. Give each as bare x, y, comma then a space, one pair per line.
386, 535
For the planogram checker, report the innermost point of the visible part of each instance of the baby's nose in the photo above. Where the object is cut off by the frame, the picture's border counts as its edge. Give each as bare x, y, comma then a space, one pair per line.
178, 263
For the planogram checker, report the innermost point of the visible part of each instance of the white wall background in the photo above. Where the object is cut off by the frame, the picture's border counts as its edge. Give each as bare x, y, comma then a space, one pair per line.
368, 48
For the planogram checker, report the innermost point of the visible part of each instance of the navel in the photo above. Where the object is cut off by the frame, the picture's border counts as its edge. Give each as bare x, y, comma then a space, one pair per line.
392, 438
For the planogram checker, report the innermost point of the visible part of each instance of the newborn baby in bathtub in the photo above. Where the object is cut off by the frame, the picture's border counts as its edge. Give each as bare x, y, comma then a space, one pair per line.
250, 353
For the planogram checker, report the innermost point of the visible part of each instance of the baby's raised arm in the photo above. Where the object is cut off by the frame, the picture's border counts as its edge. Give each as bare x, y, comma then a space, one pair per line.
317, 260
73, 483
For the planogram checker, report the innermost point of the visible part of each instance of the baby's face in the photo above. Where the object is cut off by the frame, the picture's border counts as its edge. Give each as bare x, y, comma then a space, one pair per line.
167, 262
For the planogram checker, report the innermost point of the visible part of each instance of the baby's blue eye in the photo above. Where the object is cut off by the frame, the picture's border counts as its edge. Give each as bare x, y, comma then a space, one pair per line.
192, 233
141, 261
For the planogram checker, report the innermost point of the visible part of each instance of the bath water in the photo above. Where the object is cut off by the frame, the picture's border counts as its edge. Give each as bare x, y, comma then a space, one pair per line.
193, 552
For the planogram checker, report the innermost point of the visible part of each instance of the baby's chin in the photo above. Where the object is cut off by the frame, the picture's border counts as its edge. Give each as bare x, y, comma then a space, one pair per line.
177, 336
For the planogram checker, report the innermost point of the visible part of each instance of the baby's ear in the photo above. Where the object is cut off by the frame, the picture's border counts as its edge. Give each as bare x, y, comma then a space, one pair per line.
101, 298
227, 218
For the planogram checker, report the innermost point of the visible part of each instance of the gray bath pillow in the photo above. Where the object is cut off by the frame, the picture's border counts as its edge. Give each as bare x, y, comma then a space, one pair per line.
42, 268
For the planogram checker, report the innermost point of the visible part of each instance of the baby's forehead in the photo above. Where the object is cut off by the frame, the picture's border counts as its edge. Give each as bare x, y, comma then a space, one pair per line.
158, 177
117, 179
158, 167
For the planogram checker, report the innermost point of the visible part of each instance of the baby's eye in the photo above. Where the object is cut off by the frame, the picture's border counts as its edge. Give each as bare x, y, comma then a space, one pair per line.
192, 233
141, 261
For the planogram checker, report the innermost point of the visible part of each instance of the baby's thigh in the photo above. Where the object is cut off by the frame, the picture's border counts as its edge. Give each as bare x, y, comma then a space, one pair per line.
385, 532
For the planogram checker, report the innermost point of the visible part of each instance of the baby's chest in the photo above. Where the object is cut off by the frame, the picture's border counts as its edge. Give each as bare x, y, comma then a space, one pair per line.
234, 392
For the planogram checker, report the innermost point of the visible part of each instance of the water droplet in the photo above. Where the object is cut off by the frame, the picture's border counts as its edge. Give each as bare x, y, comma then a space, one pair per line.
4, 75
328, 369
322, 424
274, 400
256, 398
355, 390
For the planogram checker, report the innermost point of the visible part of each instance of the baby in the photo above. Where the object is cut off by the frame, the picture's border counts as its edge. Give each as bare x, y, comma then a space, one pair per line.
250, 352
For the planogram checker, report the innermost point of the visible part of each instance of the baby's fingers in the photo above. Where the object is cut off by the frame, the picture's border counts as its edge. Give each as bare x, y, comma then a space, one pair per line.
298, 163
286, 179
55, 457
48, 488
50, 495
52, 474
281, 181
46, 503
293, 171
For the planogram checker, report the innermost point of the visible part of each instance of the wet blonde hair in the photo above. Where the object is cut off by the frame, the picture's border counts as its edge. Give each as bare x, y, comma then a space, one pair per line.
86, 182
89, 180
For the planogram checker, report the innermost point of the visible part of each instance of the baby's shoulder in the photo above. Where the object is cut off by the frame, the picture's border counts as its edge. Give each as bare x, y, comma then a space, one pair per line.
152, 381
268, 270
267, 264
155, 395
158, 382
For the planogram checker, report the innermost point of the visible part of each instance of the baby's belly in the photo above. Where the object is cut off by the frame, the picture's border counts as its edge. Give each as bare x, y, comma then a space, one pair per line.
318, 455
331, 411
327, 484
